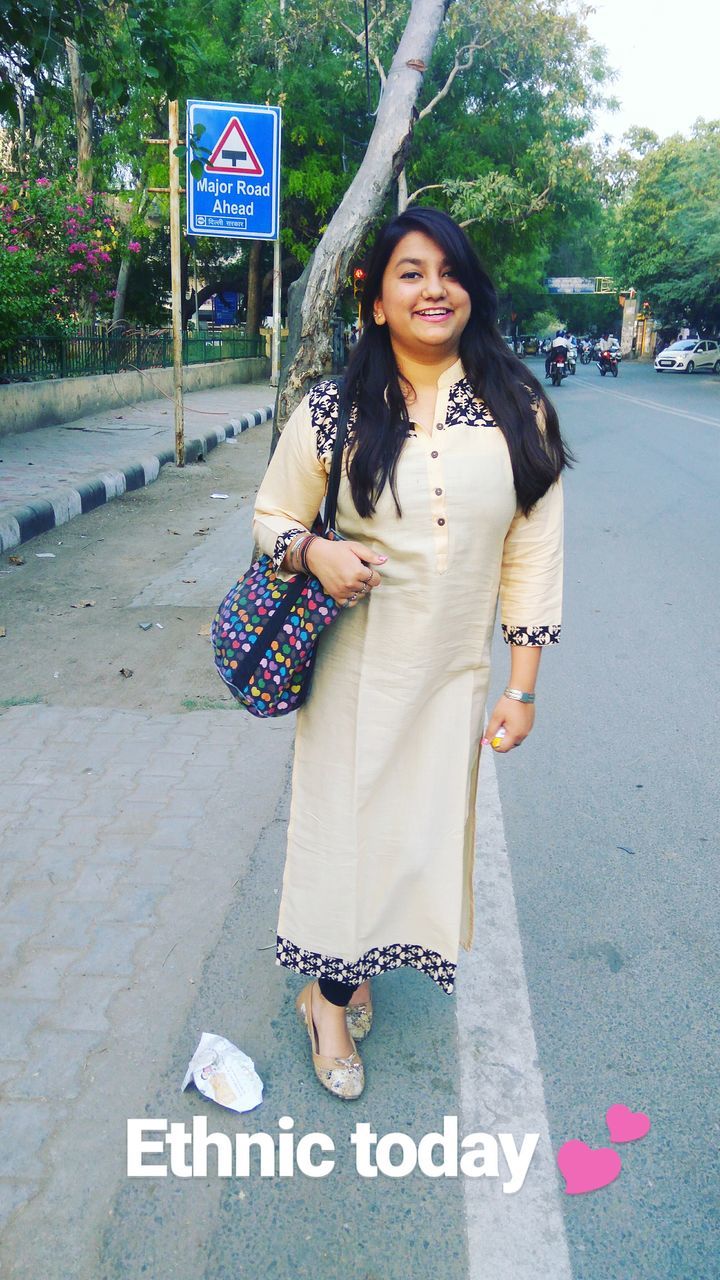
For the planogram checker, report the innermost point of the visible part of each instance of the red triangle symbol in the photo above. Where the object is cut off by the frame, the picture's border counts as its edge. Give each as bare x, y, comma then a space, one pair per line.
234, 152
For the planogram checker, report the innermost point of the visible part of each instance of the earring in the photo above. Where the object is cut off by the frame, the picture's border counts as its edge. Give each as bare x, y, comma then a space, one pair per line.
378, 317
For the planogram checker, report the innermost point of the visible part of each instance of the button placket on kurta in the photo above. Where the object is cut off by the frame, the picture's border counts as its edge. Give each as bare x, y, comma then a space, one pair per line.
432, 442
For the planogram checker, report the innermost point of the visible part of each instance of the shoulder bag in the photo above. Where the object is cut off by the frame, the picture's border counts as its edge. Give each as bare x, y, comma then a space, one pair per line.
266, 632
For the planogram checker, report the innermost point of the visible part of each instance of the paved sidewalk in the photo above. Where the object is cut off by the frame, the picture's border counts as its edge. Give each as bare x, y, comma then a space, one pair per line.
120, 854
50, 475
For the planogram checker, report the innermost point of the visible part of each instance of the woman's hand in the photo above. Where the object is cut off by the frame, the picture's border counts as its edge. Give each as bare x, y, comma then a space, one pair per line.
344, 569
516, 717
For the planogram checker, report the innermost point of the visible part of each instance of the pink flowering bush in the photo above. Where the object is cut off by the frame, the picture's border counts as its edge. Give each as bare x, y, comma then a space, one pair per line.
56, 257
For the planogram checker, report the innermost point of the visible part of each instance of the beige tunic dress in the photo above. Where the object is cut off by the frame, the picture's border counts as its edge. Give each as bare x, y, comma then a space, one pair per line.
380, 844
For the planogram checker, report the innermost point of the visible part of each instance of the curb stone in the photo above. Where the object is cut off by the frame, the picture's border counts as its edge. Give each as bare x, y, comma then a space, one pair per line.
20, 524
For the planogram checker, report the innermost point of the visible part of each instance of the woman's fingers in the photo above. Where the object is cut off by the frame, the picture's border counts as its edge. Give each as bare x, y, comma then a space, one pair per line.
368, 578
365, 554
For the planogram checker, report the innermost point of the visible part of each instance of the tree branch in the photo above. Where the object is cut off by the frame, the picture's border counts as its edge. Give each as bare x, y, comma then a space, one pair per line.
471, 50
431, 186
360, 39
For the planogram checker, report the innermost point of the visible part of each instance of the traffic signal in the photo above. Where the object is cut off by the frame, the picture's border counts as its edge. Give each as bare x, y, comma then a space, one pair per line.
358, 281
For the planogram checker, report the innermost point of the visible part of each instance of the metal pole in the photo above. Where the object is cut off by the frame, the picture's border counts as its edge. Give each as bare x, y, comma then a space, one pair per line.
277, 319
197, 309
277, 264
176, 274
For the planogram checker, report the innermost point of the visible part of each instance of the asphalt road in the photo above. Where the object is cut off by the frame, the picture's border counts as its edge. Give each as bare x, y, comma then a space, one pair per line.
617, 894
142, 852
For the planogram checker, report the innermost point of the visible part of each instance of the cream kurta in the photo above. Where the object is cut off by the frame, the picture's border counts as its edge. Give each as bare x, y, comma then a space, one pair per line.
381, 833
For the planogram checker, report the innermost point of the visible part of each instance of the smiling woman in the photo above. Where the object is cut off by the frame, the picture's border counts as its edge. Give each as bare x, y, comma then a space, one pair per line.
450, 497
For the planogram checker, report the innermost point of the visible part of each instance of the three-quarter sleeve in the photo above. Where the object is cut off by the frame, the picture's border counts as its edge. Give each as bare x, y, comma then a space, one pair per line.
292, 489
531, 578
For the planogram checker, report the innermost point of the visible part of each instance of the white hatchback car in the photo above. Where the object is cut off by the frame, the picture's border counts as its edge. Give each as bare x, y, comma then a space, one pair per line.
683, 357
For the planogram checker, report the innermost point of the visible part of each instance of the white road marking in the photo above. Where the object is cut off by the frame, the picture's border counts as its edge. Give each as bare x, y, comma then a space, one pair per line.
520, 1236
652, 404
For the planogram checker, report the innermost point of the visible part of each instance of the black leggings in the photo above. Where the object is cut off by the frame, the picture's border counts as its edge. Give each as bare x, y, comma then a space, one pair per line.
337, 992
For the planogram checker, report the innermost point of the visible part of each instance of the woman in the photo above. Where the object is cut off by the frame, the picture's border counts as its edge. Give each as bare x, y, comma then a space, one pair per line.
450, 494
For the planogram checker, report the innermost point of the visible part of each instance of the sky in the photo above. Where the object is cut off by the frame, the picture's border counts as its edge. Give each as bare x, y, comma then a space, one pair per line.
666, 56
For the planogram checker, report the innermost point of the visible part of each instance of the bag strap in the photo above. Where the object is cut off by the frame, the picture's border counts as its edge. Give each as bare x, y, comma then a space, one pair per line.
331, 496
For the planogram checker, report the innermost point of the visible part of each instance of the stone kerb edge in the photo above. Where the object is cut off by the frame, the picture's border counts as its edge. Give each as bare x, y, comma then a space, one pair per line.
21, 524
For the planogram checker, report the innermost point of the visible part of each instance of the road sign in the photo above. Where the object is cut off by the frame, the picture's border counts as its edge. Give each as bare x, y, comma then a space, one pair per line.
570, 284
238, 192
225, 306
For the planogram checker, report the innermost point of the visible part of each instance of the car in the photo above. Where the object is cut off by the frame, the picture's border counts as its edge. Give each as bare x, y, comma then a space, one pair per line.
687, 355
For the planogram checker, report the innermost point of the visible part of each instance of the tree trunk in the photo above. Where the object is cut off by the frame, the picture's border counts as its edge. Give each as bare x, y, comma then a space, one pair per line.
121, 291
83, 105
402, 191
254, 299
313, 297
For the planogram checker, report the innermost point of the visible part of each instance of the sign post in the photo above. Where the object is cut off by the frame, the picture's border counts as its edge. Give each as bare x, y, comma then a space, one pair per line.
237, 194
176, 278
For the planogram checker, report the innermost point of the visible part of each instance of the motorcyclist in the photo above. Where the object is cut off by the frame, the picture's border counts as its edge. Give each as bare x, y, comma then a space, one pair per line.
605, 348
559, 341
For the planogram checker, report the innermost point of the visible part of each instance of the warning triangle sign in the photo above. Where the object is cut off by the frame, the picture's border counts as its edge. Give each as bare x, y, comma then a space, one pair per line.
234, 152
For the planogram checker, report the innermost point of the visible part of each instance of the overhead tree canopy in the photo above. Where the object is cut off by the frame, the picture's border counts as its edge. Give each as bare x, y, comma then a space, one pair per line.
497, 133
668, 236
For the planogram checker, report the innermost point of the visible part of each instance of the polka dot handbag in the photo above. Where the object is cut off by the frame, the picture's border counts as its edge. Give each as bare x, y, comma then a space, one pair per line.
266, 631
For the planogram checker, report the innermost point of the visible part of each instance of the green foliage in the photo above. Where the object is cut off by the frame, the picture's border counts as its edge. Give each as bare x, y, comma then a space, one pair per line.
502, 149
668, 243
56, 257
506, 143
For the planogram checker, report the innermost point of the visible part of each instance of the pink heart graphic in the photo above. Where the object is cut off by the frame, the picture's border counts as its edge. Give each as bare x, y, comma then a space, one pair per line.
586, 1170
626, 1125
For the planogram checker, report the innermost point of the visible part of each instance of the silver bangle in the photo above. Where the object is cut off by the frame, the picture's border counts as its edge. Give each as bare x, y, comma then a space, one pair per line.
300, 537
519, 696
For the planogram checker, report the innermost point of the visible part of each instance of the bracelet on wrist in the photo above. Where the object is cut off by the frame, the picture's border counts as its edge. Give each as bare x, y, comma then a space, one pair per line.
519, 696
304, 550
291, 557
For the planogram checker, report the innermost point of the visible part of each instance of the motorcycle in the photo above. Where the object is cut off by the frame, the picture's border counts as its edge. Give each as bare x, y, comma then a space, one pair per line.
586, 353
572, 360
558, 368
608, 363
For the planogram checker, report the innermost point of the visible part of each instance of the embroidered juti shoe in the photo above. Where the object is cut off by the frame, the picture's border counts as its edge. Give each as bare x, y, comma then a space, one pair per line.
343, 1077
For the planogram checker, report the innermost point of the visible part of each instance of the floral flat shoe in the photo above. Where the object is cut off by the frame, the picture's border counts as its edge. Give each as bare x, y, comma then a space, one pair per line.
343, 1077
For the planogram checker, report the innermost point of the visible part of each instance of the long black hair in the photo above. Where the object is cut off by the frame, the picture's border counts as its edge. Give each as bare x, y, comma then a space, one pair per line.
513, 395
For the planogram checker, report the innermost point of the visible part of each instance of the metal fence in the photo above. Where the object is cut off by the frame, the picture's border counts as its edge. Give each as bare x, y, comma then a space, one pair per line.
88, 351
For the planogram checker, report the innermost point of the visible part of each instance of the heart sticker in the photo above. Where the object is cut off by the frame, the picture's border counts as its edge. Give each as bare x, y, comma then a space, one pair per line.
585, 1169
626, 1125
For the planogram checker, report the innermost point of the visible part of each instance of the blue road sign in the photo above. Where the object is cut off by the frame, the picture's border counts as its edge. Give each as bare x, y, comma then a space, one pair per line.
225, 306
238, 194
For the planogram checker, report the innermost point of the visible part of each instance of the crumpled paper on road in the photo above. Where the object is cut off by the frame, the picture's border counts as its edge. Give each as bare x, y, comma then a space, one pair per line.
224, 1074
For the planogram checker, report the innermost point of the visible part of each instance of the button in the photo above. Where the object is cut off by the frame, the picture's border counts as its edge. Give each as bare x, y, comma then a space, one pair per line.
439, 426
441, 521
434, 454
438, 492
